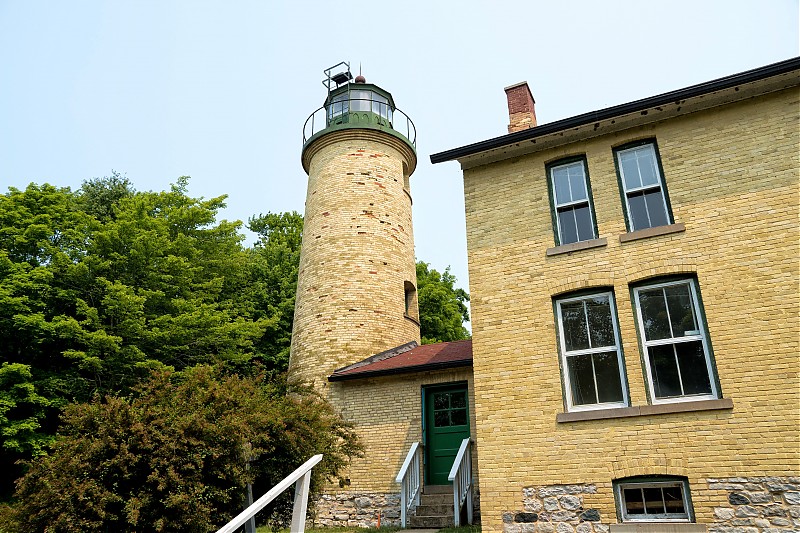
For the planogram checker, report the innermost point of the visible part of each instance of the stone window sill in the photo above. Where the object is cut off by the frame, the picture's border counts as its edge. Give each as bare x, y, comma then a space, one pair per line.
652, 232
646, 410
575, 246
412, 319
655, 527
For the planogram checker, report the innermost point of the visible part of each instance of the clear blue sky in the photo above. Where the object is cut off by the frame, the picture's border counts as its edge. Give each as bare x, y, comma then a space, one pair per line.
220, 90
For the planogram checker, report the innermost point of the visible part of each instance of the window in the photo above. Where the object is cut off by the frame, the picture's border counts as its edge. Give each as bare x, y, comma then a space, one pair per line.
591, 358
410, 293
677, 358
645, 196
654, 499
572, 206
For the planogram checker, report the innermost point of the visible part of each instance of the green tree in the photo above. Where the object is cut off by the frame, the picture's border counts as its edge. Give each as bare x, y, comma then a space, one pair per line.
272, 282
102, 285
442, 307
173, 456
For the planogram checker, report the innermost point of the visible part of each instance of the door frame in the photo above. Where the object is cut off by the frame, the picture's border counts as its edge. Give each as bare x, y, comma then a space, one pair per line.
426, 390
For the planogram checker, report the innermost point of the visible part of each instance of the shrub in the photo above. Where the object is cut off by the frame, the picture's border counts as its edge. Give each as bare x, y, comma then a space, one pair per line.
173, 456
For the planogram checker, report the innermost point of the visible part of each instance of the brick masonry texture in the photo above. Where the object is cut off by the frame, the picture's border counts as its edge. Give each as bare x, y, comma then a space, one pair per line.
732, 177
357, 252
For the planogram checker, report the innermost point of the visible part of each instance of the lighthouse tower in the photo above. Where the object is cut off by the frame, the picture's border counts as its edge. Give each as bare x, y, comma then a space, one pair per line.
356, 289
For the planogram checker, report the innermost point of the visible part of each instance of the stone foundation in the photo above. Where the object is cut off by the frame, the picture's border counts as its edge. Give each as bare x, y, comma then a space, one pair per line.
751, 505
757, 505
357, 509
555, 509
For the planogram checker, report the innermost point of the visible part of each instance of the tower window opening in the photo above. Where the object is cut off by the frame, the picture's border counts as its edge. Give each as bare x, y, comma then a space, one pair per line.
411, 293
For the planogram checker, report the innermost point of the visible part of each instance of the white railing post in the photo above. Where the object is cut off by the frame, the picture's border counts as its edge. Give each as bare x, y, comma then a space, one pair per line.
302, 479
461, 477
408, 477
300, 503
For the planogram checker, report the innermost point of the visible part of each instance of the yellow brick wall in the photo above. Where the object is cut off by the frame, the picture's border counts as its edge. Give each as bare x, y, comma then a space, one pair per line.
357, 252
732, 177
388, 414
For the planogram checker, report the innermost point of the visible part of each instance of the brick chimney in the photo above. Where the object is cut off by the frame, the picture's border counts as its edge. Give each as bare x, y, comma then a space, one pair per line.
521, 112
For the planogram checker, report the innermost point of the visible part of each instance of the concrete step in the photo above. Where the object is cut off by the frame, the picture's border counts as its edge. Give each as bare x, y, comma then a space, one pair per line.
436, 499
437, 489
438, 522
435, 510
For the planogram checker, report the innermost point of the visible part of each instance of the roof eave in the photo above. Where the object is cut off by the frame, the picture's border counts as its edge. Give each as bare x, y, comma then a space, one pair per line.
588, 124
401, 370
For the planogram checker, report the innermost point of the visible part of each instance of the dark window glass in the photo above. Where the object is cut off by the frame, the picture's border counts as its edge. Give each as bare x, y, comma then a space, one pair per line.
653, 504
665, 371
656, 211
583, 221
458, 400
581, 376
638, 211
441, 419
654, 314
606, 368
634, 503
601, 326
441, 401
673, 500
458, 417
681, 314
694, 373
574, 321
568, 226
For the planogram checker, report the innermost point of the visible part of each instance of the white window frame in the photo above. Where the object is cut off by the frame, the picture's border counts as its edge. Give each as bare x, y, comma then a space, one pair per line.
652, 147
659, 517
564, 355
588, 200
702, 335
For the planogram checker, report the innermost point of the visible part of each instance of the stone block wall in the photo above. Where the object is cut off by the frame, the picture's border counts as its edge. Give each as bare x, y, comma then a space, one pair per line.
732, 176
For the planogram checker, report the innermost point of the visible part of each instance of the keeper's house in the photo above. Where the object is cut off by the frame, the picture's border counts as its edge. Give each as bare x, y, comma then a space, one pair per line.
634, 275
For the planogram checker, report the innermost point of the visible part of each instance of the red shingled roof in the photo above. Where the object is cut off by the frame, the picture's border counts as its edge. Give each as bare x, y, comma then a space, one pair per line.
409, 357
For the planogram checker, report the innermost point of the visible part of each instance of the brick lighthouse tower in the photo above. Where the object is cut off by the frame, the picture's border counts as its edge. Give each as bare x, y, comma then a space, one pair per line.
356, 290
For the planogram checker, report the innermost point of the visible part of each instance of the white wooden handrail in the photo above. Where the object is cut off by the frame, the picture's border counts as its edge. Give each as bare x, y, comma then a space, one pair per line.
408, 477
302, 479
461, 476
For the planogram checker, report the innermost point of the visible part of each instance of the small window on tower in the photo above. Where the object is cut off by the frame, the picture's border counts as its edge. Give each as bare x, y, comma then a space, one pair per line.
411, 293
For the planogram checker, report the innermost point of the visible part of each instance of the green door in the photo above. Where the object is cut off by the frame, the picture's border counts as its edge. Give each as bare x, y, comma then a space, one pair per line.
446, 425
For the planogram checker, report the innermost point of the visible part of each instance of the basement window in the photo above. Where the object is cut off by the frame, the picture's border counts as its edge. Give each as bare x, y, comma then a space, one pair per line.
654, 499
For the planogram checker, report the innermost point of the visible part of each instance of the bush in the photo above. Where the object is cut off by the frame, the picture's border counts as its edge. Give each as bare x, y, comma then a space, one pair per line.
173, 456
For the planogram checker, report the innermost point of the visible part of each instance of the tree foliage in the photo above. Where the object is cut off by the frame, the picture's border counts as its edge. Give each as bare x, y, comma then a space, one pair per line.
173, 456
102, 285
442, 307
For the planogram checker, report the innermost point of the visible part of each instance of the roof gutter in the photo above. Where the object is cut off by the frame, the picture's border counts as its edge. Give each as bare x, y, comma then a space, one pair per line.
727, 82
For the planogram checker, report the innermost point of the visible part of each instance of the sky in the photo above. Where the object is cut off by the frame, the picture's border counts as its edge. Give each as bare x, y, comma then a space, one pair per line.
219, 90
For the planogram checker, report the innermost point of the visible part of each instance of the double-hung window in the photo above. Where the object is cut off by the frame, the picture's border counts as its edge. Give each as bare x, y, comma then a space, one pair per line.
643, 185
590, 350
572, 205
677, 356
653, 499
